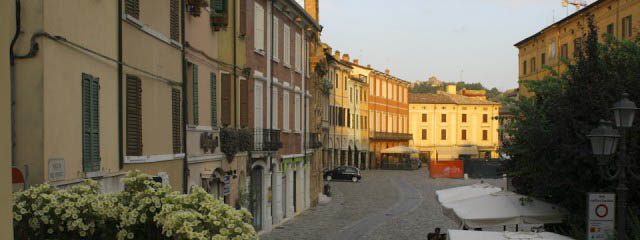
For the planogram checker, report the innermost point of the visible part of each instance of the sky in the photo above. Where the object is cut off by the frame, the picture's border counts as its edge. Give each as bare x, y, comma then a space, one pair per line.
470, 40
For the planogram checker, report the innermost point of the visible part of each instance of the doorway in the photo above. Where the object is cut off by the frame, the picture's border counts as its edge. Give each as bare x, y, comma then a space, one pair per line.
256, 197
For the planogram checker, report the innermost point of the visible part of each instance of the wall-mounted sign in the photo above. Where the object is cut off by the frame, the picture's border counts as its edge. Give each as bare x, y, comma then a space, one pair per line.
56, 169
601, 209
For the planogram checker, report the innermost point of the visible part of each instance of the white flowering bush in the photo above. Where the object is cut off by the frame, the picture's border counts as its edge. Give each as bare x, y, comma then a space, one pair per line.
144, 210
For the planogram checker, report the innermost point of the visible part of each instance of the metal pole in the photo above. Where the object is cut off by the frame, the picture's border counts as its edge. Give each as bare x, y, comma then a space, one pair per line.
621, 189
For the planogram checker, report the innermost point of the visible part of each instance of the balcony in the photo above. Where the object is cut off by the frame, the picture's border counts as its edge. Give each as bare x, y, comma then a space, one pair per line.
312, 140
265, 140
390, 136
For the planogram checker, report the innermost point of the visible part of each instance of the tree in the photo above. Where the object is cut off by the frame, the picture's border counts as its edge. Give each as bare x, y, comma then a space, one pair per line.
550, 154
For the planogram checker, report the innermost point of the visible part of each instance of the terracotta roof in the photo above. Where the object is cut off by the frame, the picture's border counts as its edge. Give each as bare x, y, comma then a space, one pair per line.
446, 98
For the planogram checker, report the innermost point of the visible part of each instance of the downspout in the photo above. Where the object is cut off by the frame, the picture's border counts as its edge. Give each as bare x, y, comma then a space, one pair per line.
236, 116
185, 161
12, 77
270, 96
120, 95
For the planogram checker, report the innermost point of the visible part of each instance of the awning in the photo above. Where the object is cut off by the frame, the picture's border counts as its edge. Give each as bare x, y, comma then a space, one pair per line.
400, 150
454, 152
483, 235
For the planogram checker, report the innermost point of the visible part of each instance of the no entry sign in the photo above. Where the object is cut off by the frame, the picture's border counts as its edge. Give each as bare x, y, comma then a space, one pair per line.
601, 210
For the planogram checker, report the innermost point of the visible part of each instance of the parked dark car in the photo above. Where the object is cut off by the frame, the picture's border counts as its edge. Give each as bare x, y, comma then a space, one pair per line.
344, 173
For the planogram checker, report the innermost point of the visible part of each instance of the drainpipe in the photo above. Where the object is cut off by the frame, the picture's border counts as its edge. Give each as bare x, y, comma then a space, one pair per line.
120, 95
185, 162
236, 115
13, 83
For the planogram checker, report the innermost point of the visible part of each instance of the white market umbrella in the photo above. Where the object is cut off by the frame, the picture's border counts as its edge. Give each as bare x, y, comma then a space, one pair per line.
465, 192
504, 208
481, 235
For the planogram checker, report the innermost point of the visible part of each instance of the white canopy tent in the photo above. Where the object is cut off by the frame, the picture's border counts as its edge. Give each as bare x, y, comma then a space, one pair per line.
465, 192
503, 208
400, 150
481, 235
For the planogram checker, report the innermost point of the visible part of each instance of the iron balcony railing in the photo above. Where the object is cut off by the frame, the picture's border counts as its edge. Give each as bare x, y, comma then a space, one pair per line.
313, 140
266, 140
390, 136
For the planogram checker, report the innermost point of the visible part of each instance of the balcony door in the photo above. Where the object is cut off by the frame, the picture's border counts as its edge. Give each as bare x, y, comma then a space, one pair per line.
258, 112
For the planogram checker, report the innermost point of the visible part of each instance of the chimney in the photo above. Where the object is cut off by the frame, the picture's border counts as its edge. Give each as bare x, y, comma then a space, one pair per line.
368, 65
329, 50
356, 61
387, 71
311, 6
337, 55
345, 57
452, 89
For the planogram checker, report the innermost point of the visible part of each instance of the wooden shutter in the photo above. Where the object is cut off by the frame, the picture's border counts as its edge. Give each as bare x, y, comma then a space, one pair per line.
132, 8
226, 91
196, 113
134, 116
243, 18
244, 103
175, 120
214, 102
174, 19
90, 123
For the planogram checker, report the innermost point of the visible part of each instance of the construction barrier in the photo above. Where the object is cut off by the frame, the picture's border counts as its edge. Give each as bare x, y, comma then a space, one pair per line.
446, 169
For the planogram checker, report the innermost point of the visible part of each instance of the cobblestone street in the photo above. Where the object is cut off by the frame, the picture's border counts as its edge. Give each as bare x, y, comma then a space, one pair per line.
384, 205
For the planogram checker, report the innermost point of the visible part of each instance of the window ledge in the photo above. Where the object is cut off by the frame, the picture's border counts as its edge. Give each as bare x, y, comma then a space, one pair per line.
275, 59
259, 51
287, 65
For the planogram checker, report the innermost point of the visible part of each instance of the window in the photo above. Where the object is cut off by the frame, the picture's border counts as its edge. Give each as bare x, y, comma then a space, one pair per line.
344, 79
543, 59
348, 117
424, 134
176, 121
90, 123
577, 46
610, 29
553, 49
174, 20
296, 111
464, 134
285, 110
258, 27
564, 51
627, 27
287, 45
226, 109
524, 68
134, 116
485, 118
274, 103
214, 100
485, 135
194, 94
132, 8
424, 117
533, 65
337, 81
276, 38
443, 118
298, 52
464, 117
443, 134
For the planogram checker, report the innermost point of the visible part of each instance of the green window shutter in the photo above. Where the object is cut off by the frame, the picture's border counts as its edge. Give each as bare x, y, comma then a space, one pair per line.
195, 95
134, 116
132, 8
214, 101
218, 7
90, 123
174, 19
175, 120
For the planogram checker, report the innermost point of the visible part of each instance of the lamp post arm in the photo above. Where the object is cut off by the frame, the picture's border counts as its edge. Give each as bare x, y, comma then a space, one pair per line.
605, 172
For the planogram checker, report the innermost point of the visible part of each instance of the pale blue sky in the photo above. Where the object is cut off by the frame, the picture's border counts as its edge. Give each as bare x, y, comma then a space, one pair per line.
420, 38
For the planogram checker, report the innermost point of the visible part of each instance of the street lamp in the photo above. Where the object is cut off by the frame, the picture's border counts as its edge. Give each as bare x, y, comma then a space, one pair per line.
604, 141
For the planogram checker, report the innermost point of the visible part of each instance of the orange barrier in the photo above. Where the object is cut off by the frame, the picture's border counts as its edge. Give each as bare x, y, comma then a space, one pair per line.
446, 169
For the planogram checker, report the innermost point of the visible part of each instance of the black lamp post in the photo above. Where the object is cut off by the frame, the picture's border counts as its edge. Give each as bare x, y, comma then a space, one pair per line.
604, 141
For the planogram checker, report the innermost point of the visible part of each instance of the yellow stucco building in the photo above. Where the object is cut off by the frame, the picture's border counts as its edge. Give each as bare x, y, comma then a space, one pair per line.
448, 125
561, 39
7, 21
